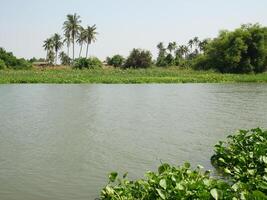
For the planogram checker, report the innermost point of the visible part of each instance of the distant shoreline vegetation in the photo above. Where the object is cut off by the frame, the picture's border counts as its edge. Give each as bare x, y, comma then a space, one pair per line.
241, 51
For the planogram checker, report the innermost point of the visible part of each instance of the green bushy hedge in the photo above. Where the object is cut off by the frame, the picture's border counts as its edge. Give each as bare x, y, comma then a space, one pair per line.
10, 61
87, 63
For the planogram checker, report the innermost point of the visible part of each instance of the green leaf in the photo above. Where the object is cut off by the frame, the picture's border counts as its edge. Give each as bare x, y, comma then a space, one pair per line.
214, 193
163, 184
113, 176
161, 194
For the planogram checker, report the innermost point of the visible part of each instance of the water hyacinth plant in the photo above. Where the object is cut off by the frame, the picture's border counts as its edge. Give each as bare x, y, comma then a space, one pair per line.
169, 183
243, 157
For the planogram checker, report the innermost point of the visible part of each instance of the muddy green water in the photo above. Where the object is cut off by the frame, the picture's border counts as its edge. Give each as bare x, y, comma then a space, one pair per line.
58, 142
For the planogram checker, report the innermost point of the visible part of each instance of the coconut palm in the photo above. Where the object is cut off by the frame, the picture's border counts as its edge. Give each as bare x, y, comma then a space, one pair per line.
196, 42
57, 43
172, 46
72, 26
48, 46
67, 40
160, 46
90, 35
81, 39
190, 44
183, 50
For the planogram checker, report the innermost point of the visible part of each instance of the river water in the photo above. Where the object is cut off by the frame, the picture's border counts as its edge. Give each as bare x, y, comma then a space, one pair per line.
59, 142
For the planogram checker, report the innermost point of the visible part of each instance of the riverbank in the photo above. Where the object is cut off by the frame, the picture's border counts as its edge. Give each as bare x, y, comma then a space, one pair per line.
116, 76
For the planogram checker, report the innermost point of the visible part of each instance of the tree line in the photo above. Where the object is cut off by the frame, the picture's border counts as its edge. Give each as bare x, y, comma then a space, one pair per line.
243, 50
74, 33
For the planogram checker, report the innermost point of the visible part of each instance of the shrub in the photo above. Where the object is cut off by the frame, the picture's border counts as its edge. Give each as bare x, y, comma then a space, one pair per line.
244, 158
243, 50
87, 63
139, 59
116, 61
169, 183
2, 64
12, 62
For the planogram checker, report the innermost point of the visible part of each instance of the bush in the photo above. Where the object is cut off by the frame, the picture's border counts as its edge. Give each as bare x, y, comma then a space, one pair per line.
241, 51
87, 63
116, 61
2, 64
244, 158
169, 183
12, 62
139, 59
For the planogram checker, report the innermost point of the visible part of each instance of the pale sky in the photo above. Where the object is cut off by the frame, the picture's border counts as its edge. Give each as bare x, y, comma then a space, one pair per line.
122, 24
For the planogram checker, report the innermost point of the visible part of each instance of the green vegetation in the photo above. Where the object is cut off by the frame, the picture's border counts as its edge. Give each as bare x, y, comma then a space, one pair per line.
243, 157
117, 75
169, 183
139, 59
243, 50
88, 63
116, 61
73, 32
8, 60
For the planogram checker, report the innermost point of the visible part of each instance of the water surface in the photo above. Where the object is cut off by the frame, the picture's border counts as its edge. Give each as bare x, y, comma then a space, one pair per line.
59, 142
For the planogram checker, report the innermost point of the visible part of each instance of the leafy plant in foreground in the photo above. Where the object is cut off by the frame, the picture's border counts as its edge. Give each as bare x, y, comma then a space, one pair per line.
244, 158
169, 183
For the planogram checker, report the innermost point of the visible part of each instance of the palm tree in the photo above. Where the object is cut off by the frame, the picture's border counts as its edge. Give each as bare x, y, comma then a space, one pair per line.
57, 44
172, 46
160, 46
81, 39
90, 35
67, 40
183, 50
72, 26
48, 46
190, 44
196, 42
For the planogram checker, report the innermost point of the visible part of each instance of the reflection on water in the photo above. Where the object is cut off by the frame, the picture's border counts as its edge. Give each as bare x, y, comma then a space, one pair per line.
60, 141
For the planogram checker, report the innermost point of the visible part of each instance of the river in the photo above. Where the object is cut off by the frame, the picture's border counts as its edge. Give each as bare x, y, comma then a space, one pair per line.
59, 142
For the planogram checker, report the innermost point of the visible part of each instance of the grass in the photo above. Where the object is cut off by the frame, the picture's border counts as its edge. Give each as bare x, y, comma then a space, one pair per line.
109, 75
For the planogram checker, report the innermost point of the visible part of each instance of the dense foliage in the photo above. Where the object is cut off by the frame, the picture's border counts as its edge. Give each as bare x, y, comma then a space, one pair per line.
170, 183
65, 74
8, 60
243, 50
244, 158
116, 61
139, 59
87, 63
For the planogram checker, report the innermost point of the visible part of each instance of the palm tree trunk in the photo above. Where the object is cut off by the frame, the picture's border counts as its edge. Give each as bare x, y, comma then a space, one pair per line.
81, 50
56, 58
68, 50
73, 46
87, 49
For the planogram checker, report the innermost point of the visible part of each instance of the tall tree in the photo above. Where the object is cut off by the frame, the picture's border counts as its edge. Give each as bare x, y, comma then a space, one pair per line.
172, 46
90, 35
81, 39
71, 26
48, 46
196, 42
67, 40
183, 50
57, 43
190, 44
